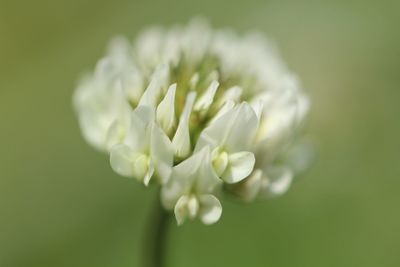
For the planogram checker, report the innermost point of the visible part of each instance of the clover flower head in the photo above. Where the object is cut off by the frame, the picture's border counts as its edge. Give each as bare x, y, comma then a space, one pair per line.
197, 112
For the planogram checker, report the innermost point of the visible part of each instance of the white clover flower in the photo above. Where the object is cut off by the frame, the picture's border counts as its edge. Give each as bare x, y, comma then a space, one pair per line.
229, 136
197, 112
190, 191
145, 150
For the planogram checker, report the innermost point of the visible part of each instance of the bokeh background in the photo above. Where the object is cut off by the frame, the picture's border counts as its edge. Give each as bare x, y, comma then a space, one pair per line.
61, 205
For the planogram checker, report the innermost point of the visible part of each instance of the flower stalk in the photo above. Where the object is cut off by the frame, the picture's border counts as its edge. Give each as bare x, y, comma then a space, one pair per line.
155, 236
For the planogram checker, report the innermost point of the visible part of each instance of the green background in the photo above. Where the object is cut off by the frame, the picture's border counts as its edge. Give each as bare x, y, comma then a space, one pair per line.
61, 204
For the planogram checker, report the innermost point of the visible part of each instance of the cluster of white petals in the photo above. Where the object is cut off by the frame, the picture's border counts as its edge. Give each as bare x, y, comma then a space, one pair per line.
197, 112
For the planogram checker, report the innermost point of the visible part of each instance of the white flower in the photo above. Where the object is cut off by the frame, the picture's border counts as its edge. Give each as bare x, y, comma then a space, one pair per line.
284, 109
229, 137
190, 189
271, 182
145, 151
197, 112
100, 99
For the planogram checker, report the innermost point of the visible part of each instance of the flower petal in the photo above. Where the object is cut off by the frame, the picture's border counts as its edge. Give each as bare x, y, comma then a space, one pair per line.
205, 101
181, 140
99, 102
122, 159
229, 105
190, 166
234, 130
172, 191
220, 161
166, 110
149, 174
258, 108
153, 91
216, 133
180, 210
162, 153
115, 135
132, 83
193, 206
240, 165
210, 209
249, 188
278, 181
207, 179
232, 94
181, 180
243, 130
138, 137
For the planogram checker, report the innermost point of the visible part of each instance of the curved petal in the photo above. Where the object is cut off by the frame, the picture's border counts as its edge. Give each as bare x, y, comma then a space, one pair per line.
227, 106
166, 110
149, 174
210, 209
181, 140
98, 104
278, 181
162, 153
243, 130
240, 166
133, 84
129, 163
205, 101
122, 159
232, 94
171, 192
137, 137
193, 206
216, 133
248, 188
181, 180
188, 168
207, 179
258, 106
94, 129
235, 129
153, 91
181, 210
115, 135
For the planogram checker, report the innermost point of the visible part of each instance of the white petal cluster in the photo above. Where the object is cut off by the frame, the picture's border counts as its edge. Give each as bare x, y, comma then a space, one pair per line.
197, 112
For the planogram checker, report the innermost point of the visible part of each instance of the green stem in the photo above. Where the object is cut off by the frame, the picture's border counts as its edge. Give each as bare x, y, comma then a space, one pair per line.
155, 239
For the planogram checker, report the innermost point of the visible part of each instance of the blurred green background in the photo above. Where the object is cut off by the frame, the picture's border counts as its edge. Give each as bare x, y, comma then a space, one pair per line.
61, 204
